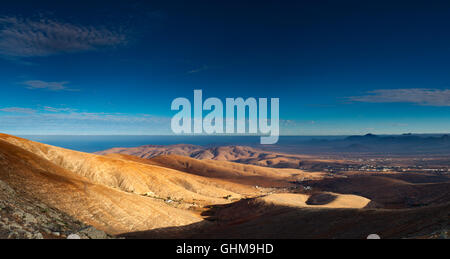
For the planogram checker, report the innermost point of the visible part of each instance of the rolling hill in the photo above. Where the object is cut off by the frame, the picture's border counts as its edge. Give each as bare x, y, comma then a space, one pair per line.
237, 154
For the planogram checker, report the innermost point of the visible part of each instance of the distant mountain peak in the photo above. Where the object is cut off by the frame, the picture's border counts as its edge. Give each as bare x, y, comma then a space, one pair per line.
361, 137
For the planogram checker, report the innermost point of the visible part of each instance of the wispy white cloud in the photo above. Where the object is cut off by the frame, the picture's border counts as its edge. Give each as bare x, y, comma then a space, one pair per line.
49, 120
67, 113
200, 69
18, 110
108, 117
426, 97
53, 109
21, 38
51, 86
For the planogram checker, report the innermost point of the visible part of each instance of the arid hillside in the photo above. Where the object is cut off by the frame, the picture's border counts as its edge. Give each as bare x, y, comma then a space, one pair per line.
134, 177
106, 208
237, 154
234, 172
178, 196
227, 153
117, 193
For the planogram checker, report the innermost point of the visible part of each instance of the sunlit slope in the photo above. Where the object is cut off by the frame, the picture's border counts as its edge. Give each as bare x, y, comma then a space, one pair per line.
131, 176
149, 151
317, 200
106, 208
228, 153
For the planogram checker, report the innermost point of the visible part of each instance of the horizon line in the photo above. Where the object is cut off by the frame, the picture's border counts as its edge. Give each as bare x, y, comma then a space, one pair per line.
233, 135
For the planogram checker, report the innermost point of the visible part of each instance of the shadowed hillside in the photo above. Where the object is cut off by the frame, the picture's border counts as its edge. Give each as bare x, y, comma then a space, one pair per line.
264, 218
388, 192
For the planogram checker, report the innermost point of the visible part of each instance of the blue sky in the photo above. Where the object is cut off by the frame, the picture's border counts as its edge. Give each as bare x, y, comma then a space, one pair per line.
338, 67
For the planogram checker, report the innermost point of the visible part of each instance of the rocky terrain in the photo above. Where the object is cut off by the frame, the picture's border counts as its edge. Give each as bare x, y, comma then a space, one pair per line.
24, 217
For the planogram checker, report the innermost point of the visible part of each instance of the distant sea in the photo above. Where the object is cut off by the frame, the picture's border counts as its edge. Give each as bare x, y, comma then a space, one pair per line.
93, 143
